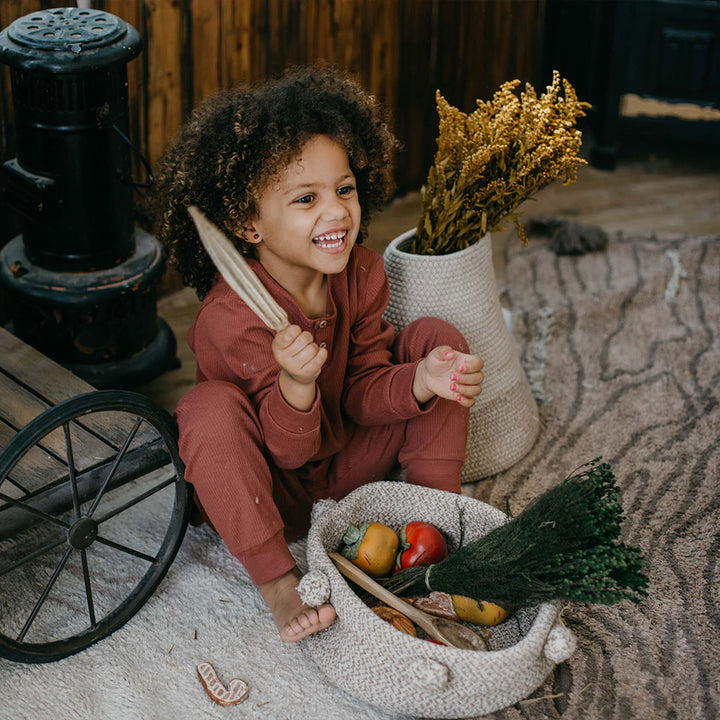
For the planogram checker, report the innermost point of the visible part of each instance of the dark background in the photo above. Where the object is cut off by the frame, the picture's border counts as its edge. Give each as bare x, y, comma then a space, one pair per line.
403, 50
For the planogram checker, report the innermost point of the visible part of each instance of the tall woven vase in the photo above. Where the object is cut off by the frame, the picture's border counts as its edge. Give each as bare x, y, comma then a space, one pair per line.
460, 288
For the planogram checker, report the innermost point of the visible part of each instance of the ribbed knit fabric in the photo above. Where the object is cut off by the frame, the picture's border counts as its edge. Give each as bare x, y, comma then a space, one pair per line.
257, 464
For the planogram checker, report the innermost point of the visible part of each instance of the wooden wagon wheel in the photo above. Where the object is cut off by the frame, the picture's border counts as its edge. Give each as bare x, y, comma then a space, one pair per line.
85, 542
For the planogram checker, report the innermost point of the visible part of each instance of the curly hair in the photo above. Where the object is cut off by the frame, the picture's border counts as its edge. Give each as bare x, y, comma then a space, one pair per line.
238, 141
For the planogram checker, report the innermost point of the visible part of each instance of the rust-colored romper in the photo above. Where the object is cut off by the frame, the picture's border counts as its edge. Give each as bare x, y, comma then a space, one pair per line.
257, 464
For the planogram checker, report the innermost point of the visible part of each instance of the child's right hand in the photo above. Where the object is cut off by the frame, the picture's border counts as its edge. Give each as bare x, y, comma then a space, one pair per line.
297, 353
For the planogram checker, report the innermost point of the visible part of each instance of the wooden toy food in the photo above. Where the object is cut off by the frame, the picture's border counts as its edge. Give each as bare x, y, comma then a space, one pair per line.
372, 547
421, 543
234, 693
478, 611
396, 619
459, 607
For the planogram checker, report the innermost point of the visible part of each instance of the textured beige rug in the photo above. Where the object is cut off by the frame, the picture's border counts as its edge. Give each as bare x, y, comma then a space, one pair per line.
623, 351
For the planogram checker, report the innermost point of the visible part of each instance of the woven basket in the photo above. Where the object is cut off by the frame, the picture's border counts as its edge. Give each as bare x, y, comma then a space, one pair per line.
370, 659
460, 288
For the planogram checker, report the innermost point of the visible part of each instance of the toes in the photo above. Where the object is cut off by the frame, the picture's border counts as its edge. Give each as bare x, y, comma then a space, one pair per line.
326, 614
312, 617
307, 619
306, 623
288, 632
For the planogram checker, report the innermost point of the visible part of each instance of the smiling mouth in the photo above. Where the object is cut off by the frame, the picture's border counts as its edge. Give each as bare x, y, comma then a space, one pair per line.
331, 240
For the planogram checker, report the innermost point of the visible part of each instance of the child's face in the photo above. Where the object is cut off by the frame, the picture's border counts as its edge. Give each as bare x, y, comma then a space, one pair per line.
308, 221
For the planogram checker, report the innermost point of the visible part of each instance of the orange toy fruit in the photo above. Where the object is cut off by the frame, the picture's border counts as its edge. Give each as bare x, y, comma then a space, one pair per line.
372, 547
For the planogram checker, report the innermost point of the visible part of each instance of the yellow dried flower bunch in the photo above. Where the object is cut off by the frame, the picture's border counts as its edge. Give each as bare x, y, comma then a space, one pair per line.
492, 160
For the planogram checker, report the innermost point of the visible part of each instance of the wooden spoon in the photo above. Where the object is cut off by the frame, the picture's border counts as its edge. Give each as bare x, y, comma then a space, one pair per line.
447, 631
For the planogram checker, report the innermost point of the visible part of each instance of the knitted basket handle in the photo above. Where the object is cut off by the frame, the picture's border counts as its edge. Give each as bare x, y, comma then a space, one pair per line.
560, 644
314, 588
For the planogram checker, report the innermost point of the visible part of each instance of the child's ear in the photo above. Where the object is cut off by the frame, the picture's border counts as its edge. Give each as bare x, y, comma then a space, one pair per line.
251, 234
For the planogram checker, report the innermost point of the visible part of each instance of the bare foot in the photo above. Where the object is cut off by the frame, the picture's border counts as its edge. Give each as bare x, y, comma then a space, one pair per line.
293, 618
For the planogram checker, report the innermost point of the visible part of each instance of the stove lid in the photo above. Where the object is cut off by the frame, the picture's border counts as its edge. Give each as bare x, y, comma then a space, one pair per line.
68, 40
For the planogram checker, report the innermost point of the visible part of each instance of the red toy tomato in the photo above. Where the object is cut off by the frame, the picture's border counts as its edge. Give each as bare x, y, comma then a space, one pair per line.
420, 544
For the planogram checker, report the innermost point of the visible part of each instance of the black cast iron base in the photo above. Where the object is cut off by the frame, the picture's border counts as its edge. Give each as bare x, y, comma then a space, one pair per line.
102, 325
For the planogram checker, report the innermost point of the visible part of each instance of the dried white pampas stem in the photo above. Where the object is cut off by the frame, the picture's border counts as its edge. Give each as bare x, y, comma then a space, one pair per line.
237, 273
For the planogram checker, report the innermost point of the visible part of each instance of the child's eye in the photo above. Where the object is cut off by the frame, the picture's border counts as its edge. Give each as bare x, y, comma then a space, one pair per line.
305, 199
345, 189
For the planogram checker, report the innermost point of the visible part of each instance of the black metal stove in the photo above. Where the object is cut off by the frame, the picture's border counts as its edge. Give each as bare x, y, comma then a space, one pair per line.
82, 278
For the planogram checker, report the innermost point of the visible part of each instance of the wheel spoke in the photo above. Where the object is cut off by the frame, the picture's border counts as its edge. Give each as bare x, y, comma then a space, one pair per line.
71, 471
116, 463
58, 517
137, 500
34, 511
44, 594
125, 549
32, 556
88, 588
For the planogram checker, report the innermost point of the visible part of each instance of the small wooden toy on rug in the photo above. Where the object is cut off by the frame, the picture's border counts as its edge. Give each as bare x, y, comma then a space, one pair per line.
236, 691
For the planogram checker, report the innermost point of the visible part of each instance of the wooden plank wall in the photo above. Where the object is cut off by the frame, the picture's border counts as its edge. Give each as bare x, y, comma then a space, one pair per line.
401, 50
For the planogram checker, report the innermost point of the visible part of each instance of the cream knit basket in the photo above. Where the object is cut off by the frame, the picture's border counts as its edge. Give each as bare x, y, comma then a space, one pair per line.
460, 288
370, 659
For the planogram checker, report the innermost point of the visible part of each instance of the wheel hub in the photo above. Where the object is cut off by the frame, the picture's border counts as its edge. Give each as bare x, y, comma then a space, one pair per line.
83, 533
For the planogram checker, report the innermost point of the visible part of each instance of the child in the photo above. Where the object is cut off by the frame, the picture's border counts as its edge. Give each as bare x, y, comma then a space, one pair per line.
292, 171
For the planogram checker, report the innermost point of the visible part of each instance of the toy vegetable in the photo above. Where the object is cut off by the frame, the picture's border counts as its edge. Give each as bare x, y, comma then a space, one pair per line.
420, 544
396, 619
372, 547
459, 607
477, 611
563, 546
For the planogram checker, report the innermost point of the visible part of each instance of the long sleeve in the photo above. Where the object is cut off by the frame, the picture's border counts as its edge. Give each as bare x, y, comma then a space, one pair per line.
232, 344
376, 390
360, 384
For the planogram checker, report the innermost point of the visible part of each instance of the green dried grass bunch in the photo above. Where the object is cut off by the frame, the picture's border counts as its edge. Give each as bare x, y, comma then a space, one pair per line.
565, 545
492, 160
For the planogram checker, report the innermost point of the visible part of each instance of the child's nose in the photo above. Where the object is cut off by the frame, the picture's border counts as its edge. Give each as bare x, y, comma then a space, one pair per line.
335, 209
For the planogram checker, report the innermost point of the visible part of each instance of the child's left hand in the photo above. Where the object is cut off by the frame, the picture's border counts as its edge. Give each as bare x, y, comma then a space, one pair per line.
449, 374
